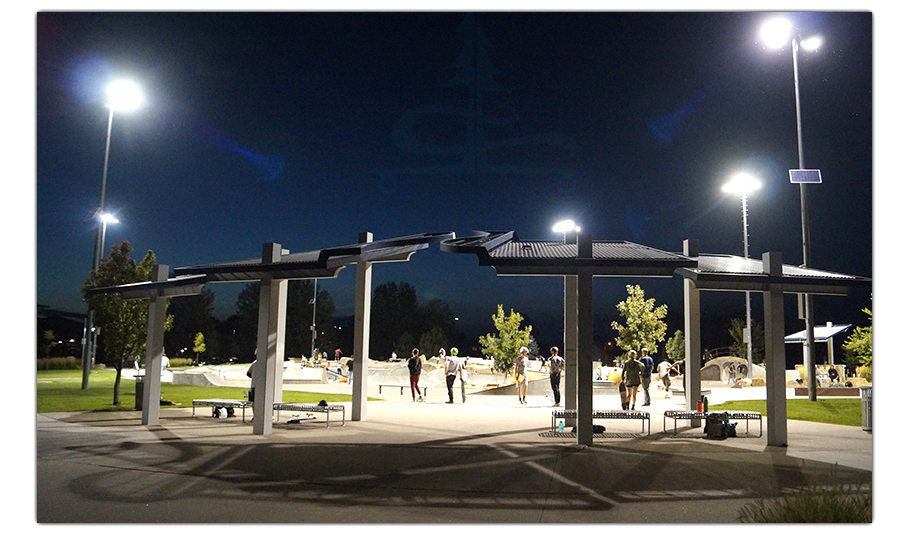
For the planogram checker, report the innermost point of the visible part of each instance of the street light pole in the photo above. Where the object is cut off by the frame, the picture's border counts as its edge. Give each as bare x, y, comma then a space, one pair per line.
775, 34
122, 95
744, 184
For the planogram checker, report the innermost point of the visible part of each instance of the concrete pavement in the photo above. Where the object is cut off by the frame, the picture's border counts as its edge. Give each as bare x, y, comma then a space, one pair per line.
488, 460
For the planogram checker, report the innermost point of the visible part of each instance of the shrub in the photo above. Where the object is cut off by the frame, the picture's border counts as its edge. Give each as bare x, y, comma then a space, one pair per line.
818, 504
178, 362
864, 372
58, 363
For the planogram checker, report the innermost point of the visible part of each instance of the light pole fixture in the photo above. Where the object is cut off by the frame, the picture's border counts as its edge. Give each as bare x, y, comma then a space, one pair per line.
744, 184
568, 228
123, 96
105, 218
775, 34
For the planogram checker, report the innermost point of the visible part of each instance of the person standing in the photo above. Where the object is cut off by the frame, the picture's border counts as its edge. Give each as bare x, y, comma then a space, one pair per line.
646, 374
415, 370
631, 375
557, 365
521, 364
452, 368
664, 378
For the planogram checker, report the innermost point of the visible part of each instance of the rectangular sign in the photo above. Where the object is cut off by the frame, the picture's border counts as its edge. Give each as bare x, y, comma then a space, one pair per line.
805, 176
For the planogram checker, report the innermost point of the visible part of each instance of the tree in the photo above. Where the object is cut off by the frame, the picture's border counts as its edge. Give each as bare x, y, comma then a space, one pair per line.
738, 348
504, 347
192, 314
124, 323
49, 340
644, 326
858, 346
432, 341
199, 346
395, 311
675, 346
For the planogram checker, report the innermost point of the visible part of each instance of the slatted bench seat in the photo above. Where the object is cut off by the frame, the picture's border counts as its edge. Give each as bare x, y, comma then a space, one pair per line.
298, 407
424, 388
222, 403
676, 415
605, 415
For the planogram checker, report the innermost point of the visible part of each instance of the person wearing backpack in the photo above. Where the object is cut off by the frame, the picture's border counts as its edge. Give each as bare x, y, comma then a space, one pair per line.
415, 370
557, 365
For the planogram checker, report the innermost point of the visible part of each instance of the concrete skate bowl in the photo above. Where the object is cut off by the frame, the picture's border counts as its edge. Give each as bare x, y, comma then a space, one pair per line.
717, 369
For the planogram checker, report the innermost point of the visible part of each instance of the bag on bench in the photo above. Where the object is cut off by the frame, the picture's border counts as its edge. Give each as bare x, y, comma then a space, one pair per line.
715, 426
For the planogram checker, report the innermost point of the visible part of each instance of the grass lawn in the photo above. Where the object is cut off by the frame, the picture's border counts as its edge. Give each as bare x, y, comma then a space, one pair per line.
827, 411
60, 391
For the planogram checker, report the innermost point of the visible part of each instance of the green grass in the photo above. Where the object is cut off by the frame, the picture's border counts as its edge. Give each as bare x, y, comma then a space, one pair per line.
827, 411
60, 391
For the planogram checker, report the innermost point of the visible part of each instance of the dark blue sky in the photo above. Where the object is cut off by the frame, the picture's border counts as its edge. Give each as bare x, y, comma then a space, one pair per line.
307, 128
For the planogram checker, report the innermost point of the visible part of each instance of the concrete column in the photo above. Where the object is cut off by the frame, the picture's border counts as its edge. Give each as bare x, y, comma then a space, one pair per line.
269, 343
361, 335
585, 392
156, 327
776, 394
570, 343
693, 356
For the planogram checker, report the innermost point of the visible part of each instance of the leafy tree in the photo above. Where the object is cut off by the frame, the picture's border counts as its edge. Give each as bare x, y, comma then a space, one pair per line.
124, 323
395, 311
49, 340
432, 341
858, 346
505, 345
675, 346
199, 345
192, 314
644, 326
738, 348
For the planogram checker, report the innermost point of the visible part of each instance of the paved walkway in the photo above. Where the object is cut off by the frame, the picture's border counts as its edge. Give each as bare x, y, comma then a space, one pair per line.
488, 460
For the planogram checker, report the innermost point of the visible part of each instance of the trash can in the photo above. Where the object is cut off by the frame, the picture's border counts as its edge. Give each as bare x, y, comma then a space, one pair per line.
866, 394
138, 392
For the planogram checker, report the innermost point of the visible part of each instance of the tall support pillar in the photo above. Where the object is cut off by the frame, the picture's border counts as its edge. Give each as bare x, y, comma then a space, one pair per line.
570, 345
776, 396
361, 335
585, 405
269, 343
692, 355
156, 327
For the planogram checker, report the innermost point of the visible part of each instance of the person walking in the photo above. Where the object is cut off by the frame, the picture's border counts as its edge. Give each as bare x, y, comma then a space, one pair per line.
521, 372
646, 374
415, 370
557, 365
631, 375
664, 378
452, 368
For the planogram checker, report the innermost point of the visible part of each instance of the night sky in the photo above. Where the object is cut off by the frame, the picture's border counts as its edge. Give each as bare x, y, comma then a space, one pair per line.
308, 128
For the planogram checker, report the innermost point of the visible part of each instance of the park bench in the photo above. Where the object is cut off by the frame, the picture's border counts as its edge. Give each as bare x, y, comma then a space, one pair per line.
311, 408
676, 415
605, 415
424, 388
222, 403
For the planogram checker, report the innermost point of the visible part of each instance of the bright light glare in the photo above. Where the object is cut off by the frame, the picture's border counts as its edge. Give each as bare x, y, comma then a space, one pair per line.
813, 43
106, 218
123, 95
775, 33
741, 184
566, 226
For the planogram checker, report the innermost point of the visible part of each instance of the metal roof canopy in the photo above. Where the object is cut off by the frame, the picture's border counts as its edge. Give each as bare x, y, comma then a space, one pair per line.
323, 263
582, 261
821, 334
732, 273
512, 257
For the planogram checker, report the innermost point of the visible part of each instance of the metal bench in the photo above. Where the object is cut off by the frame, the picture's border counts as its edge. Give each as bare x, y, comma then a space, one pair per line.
605, 415
297, 407
676, 415
222, 403
401, 386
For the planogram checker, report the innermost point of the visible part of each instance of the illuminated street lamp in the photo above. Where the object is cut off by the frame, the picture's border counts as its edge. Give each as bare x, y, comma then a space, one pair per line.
123, 96
744, 184
568, 228
570, 313
775, 34
105, 218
